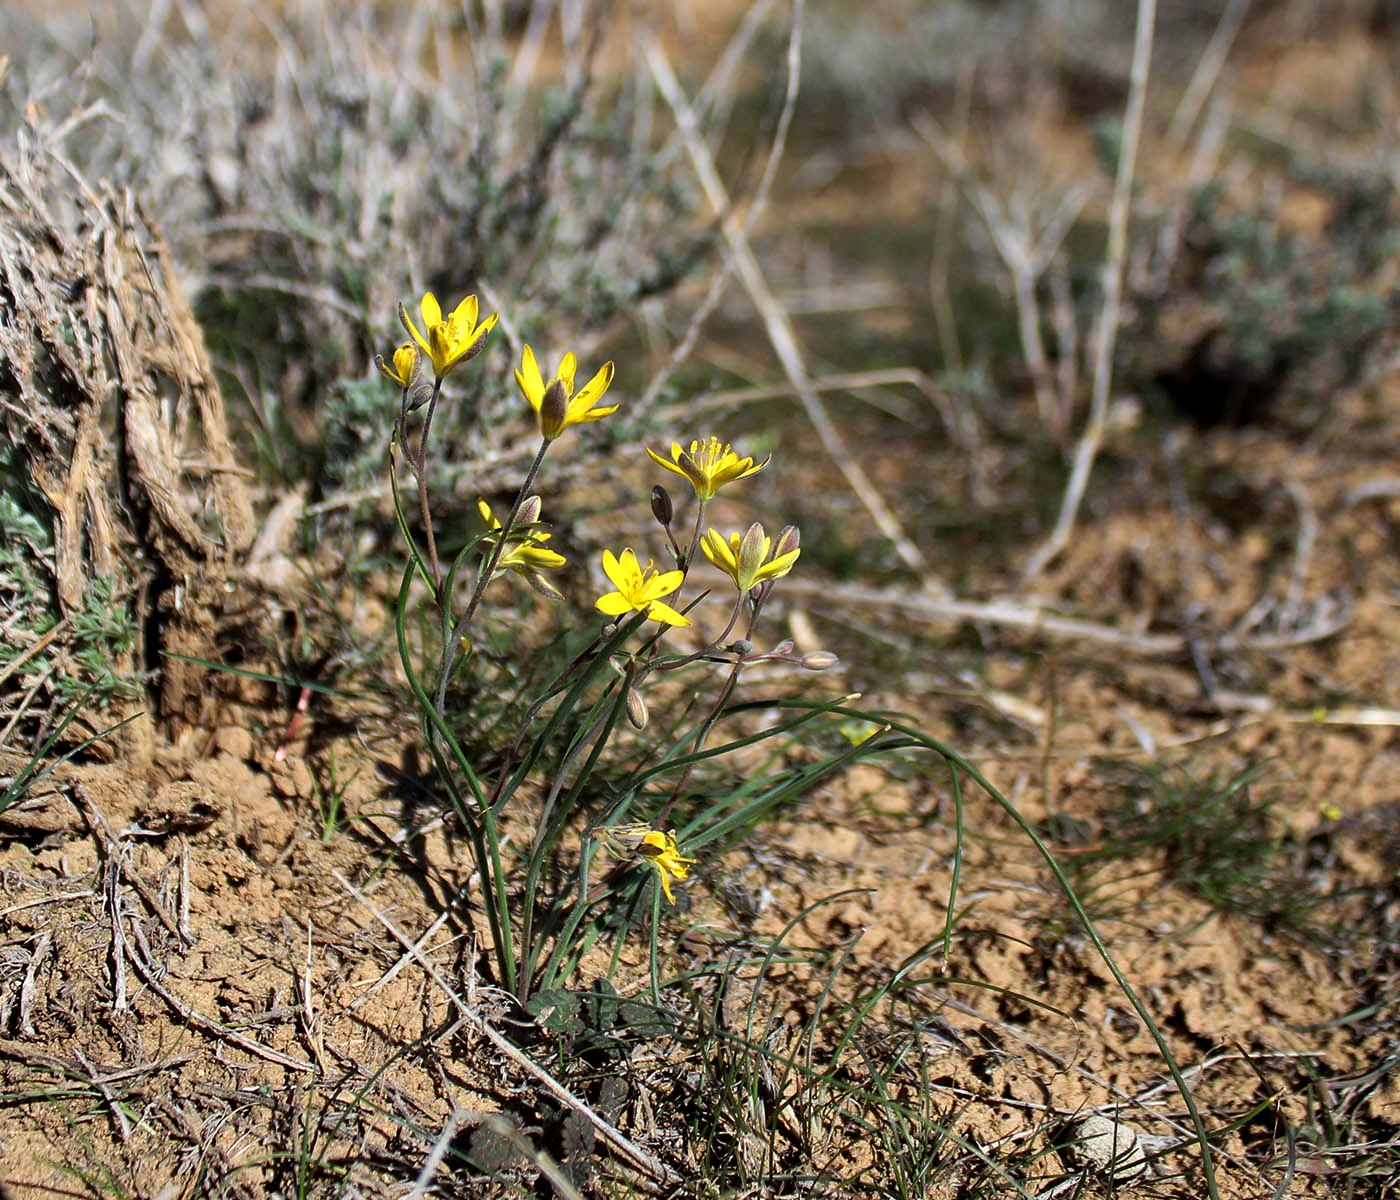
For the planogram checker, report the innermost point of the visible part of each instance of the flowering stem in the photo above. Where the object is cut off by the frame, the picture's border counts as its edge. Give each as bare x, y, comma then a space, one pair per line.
689, 556
704, 732
550, 827
484, 579
586, 661
420, 468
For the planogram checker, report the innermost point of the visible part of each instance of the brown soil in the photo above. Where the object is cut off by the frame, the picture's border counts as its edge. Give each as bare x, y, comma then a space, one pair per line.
194, 979
277, 987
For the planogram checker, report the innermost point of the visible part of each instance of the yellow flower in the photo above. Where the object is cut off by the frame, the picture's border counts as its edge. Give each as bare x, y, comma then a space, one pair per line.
660, 851
708, 465
528, 556
554, 402
639, 589
658, 848
745, 557
405, 364
452, 341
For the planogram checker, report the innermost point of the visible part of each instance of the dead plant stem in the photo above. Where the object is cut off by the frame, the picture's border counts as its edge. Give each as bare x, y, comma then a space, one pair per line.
777, 324
612, 1135
1106, 335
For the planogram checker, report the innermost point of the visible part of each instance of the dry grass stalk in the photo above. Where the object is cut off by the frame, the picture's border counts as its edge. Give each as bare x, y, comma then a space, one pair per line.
775, 320
1106, 334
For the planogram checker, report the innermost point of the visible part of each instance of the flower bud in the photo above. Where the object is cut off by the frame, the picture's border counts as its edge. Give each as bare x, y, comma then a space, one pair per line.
554, 410
752, 550
636, 709
543, 586
819, 660
788, 541
529, 511
421, 391
661, 507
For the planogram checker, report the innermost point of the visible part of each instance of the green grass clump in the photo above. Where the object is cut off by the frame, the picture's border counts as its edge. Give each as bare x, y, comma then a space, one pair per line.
92, 659
1218, 837
1255, 322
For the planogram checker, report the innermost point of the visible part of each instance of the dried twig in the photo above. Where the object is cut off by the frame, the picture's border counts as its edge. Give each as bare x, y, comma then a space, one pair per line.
122, 955
1106, 334
959, 425
759, 202
210, 1026
1026, 253
1308, 529
1207, 72
37, 957
612, 1135
1016, 614
776, 323
118, 1113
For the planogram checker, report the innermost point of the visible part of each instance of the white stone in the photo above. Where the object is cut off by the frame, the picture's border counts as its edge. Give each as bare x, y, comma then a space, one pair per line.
1106, 1147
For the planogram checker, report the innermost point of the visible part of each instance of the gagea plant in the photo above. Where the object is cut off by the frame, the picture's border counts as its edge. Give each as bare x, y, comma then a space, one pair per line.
587, 769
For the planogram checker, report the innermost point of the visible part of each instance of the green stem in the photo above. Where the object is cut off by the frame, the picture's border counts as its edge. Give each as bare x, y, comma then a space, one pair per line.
449, 650
420, 468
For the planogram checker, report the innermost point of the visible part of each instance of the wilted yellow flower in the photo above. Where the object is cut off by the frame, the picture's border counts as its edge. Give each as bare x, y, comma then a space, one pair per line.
528, 556
639, 589
657, 847
405, 363
660, 850
554, 402
708, 465
745, 557
452, 341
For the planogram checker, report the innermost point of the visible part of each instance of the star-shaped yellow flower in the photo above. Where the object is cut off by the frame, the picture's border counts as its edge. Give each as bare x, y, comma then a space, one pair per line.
448, 342
639, 589
745, 557
708, 465
660, 851
554, 402
528, 556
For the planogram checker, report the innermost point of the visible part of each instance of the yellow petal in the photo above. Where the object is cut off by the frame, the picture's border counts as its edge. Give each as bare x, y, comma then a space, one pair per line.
431, 310
412, 329
659, 461
593, 390
613, 569
567, 366
717, 550
657, 611
614, 604
464, 317
664, 585
588, 415
529, 378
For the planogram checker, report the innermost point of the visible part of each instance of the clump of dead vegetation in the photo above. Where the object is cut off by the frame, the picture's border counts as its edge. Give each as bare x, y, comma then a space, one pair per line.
127, 510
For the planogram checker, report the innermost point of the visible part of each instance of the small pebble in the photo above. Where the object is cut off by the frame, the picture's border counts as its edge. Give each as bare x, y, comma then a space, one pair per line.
1106, 1147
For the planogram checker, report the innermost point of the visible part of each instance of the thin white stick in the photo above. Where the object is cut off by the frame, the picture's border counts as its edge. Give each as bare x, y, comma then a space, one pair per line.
757, 206
1014, 614
1106, 335
779, 329
610, 1133
1207, 72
